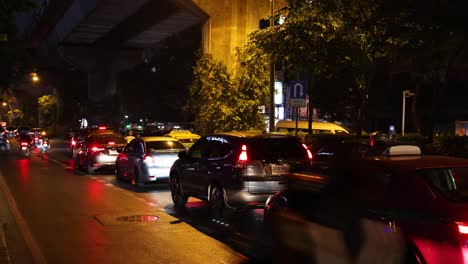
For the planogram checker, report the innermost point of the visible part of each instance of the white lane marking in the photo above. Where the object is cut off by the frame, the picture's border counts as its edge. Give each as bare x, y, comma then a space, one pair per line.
31, 243
4, 255
109, 184
103, 181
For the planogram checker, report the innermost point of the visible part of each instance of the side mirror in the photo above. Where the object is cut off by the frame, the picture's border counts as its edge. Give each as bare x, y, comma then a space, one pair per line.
182, 154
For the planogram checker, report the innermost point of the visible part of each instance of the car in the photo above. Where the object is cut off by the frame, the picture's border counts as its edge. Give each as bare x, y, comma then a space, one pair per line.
185, 136
236, 169
147, 159
423, 198
99, 150
330, 150
318, 127
4, 144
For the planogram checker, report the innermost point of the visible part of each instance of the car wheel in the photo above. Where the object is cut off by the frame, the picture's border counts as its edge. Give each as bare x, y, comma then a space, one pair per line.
3, 147
217, 201
118, 174
178, 198
136, 178
91, 169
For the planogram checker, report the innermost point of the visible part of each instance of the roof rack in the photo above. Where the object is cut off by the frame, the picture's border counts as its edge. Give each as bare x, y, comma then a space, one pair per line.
401, 150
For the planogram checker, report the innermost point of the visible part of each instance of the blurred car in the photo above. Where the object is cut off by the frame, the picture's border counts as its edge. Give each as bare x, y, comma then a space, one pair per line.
37, 131
4, 144
330, 149
185, 136
238, 169
99, 150
147, 159
422, 198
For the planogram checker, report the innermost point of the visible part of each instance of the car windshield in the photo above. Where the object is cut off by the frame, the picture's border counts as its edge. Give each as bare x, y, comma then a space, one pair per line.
163, 145
452, 183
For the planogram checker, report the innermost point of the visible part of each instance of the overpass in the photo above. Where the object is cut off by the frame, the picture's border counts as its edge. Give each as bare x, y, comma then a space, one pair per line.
105, 37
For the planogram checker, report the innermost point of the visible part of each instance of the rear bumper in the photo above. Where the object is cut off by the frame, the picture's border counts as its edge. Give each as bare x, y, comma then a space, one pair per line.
254, 194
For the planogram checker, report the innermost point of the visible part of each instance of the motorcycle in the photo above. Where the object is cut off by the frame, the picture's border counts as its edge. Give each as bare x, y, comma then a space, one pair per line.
25, 149
44, 145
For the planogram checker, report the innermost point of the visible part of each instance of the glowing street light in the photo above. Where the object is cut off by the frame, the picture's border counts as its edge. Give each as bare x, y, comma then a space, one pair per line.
34, 77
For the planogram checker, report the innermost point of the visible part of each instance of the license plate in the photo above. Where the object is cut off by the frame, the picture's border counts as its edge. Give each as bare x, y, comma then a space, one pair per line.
278, 169
23, 148
112, 152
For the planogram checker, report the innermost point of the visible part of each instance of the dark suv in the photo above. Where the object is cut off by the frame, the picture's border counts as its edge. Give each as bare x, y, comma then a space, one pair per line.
236, 169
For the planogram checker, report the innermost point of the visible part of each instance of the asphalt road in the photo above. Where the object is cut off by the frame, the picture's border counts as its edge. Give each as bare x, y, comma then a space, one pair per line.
53, 213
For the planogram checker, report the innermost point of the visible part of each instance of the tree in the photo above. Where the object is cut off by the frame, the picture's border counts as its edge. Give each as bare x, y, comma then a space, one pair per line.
221, 102
329, 38
47, 110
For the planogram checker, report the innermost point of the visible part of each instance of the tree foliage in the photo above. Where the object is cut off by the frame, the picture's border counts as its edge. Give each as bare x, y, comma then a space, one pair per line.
348, 39
47, 109
221, 102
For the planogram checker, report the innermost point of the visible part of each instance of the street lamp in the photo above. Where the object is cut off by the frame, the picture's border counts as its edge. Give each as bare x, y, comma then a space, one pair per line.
406, 93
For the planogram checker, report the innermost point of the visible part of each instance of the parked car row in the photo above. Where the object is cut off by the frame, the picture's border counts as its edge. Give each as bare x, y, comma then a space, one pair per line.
346, 198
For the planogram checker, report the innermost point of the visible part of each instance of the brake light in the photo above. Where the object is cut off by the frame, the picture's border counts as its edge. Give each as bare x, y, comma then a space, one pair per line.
24, 144
102, 128
111, 143
73, 142
148, 159
243, 156
96, 149
36, 138
309, 153
462, 228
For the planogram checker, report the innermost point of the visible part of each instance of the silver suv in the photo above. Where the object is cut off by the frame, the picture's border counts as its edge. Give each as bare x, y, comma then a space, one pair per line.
238, 169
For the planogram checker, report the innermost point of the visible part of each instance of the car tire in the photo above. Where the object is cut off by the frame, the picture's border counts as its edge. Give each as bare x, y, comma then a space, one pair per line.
217, 202
3, 147
136, 178
91, 169
178, 197
118, 173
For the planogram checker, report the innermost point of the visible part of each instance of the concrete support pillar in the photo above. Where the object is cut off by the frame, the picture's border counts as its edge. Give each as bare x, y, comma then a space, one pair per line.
230, 23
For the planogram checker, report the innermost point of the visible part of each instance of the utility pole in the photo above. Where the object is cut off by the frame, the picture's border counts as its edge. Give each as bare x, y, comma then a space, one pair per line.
406, 93
272, 79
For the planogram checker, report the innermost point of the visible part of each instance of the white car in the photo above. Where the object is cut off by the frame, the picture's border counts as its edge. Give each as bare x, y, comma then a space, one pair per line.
147, 159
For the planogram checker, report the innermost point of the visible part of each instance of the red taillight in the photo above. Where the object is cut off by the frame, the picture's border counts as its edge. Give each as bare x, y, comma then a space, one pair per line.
148, 159
24, 144
111, 143
243, 156
309, 153
36, 139
102, 128
462, 228
73, 142
96, 149
372, 142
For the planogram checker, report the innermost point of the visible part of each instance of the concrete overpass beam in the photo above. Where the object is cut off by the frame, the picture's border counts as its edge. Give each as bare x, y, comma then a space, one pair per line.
229, 24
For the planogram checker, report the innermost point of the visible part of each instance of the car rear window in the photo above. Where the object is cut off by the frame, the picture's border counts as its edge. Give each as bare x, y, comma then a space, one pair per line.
450, 182
273, 149
105, 139
161, 145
